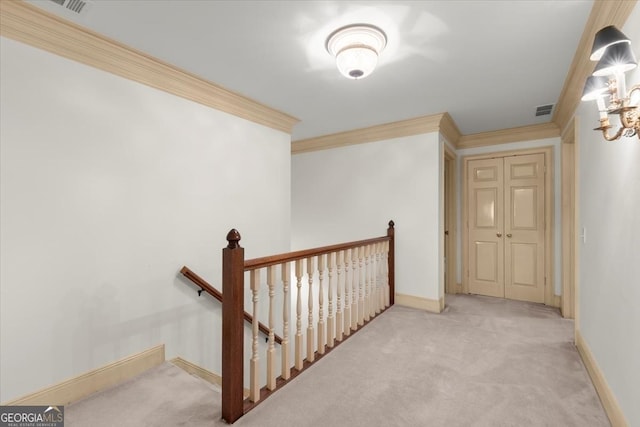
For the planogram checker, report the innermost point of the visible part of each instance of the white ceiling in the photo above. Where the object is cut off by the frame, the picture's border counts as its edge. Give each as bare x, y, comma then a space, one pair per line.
488, 63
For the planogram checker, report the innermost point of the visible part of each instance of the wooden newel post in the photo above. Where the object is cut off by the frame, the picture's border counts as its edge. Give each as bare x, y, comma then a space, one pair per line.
392, 262
232, 328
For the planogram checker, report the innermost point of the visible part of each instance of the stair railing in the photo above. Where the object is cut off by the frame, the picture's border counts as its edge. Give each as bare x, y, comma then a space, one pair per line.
359, 286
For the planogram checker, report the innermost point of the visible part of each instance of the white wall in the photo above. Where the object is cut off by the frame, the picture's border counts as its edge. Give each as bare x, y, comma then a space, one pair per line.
609, 259
108, 187
557, 200
352, 192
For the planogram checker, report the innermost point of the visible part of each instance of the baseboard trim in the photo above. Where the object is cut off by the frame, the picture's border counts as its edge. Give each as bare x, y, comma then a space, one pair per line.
198, 371
557, 301
201, 372
608, 399
95, 380
412, 301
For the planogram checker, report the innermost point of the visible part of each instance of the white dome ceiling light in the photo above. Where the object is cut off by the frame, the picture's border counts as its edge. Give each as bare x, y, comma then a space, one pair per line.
356, 48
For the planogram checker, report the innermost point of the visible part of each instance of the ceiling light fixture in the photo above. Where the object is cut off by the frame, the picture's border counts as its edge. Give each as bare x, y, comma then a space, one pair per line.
612, 50
356, 48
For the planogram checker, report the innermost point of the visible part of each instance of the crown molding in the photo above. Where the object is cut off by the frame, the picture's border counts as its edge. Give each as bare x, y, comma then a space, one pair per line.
415, 126
449, 130
505, 136
31, 25
603, 13
442, 123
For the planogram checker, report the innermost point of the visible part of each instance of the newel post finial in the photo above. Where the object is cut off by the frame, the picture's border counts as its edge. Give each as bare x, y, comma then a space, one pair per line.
391, 224
233, 237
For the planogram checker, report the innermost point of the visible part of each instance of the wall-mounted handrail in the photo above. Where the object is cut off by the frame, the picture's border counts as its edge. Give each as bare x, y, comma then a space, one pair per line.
203, 284
206, 287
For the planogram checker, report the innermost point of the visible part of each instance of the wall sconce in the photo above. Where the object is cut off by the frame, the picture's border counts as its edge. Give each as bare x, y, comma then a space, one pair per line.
612, 50
356, 48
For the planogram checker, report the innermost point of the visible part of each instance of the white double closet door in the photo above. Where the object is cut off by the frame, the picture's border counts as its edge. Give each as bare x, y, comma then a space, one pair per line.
506, 227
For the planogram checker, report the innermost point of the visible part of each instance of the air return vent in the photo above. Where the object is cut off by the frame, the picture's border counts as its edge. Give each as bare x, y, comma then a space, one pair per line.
544, 110
76, 6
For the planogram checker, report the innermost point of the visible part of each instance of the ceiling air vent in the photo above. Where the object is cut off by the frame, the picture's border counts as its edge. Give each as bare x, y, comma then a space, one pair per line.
544, 110
77, 6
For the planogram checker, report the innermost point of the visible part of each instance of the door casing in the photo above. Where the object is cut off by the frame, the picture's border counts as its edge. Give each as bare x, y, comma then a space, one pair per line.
569, 221
452, 285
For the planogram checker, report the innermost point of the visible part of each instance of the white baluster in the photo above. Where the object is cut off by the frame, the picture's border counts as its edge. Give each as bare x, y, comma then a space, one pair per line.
378, 303
311, 340
299, 360
271, 350
372, 295
347, 292
254, 384
382, 277
331, 327
322, 339
362, 276
339, 318
286, 306
372, 283
387, 293
354, 289
367, 283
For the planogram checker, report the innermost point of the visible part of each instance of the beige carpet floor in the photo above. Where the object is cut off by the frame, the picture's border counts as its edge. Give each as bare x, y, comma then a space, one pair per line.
482, 362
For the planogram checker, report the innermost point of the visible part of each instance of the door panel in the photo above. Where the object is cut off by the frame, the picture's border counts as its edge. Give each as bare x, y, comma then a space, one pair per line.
523, 264
486, 261
524, 227
486, 257
506, 227
485, 202
523, 211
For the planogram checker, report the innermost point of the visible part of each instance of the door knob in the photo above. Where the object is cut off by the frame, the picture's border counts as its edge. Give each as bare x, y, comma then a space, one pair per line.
499, 234
508, 234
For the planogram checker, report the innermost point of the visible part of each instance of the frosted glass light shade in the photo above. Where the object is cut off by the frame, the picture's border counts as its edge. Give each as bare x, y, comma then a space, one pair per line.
356, 49
356, 62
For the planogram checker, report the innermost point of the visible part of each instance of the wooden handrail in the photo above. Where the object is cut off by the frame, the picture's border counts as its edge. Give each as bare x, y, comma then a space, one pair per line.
255, 263
206, 287
203, 284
